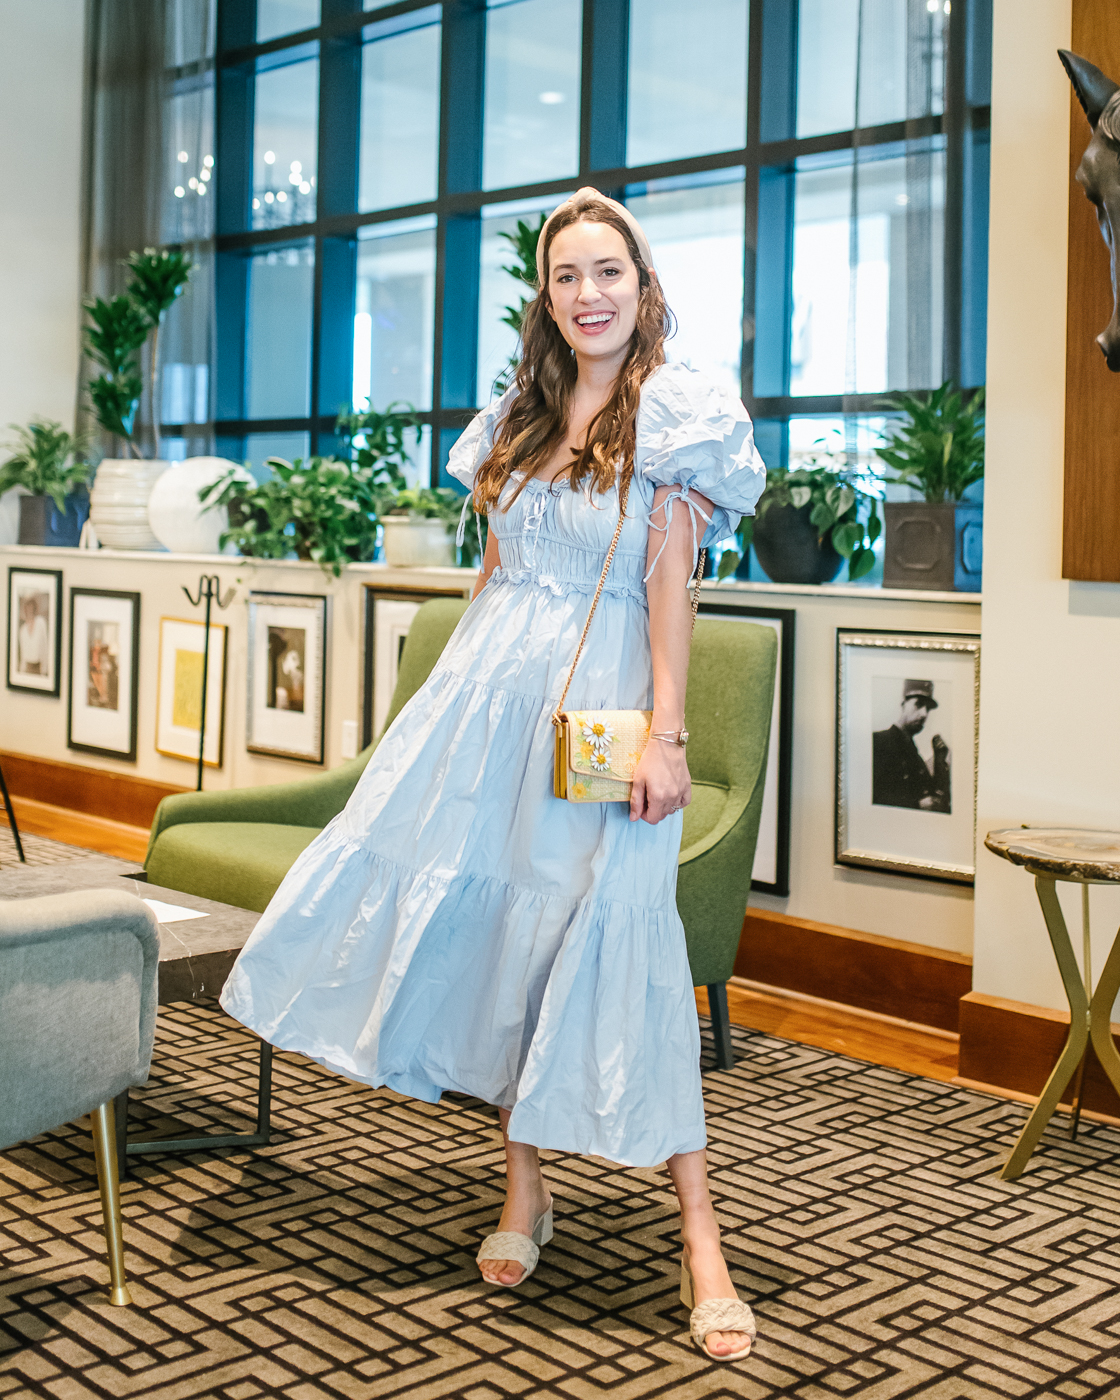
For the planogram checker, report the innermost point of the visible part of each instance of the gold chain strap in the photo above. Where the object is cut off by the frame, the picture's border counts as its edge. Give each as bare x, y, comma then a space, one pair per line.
623, 496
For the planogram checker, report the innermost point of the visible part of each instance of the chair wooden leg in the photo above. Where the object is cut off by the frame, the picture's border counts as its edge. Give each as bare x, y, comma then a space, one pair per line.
721, 1025
105, 1154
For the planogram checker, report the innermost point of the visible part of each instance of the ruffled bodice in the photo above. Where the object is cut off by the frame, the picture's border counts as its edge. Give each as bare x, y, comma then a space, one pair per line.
690, 435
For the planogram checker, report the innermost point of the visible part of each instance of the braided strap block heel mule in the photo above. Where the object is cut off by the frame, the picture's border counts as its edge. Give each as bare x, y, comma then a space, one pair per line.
716, 1315
522, 1249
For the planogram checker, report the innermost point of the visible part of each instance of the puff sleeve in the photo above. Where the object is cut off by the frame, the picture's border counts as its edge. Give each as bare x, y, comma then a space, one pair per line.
476, 440
694, 435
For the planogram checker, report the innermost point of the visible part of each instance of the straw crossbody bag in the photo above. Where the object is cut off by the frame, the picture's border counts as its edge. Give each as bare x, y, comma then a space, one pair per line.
597, 751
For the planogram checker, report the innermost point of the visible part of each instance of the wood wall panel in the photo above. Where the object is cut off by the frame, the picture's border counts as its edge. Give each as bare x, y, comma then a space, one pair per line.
1011, 1045
887, 975
1091, 505
120, 797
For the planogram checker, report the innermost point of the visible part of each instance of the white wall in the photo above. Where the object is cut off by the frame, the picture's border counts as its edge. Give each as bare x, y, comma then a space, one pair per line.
1049, 736
41, 67
921, 911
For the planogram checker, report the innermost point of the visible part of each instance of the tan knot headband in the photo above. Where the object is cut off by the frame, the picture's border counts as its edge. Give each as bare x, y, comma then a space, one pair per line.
580, 200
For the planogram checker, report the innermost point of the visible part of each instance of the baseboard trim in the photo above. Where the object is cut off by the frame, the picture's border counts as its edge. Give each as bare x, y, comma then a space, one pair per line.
1013, 1046
994, 1090
905, 981
96, 792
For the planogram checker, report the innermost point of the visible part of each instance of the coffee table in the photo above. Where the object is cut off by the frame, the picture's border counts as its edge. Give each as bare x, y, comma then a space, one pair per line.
195, 958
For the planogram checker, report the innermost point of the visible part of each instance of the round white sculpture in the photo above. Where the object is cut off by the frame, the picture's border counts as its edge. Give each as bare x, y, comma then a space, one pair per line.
179, 520
118, 503
416, 542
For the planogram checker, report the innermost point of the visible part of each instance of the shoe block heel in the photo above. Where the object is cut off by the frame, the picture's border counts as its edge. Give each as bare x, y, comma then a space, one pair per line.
687, 1296
542, 1230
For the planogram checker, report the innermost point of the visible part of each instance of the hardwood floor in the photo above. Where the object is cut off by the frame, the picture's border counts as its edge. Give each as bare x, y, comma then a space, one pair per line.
880, 1040
92, 833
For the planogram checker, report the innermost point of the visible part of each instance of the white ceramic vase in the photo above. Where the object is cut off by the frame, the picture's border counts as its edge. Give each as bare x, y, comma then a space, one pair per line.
416, 541
179, 520
118, 503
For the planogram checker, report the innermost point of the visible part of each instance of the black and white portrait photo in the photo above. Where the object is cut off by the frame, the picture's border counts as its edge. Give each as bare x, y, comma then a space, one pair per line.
904, 771
906, 727
34, 634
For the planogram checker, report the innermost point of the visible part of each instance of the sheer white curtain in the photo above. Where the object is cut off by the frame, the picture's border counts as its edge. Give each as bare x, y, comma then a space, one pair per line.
149, 103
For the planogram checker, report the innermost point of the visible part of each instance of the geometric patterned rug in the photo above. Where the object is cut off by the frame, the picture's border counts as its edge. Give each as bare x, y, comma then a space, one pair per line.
862, 1220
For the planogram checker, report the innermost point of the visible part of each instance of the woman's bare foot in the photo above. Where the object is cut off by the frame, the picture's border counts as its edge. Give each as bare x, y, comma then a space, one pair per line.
525, 1203
527, 1199
710, 1279
700, 1236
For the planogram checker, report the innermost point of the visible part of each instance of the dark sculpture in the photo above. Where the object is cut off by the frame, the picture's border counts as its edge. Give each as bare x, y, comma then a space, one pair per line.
1099, 173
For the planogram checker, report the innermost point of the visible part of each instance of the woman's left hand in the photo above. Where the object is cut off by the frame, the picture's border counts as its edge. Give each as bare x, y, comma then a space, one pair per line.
662, 784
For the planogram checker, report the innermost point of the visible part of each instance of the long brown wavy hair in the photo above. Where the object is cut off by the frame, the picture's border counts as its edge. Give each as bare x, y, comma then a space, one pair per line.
537, 420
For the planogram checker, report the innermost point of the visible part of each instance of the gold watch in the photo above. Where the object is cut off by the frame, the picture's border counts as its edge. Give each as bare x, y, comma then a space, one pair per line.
673, 736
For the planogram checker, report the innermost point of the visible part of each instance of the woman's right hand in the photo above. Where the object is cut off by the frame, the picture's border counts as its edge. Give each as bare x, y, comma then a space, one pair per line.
662, 784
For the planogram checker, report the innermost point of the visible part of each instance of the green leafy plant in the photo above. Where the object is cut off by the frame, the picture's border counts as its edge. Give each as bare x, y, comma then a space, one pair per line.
844, 512
158, 278
113, 341
523, 269
323, 509
327, 509
120, 328
47, 461
937, 443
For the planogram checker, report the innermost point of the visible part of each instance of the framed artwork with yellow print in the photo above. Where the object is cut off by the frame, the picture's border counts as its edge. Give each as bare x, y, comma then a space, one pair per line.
179, 694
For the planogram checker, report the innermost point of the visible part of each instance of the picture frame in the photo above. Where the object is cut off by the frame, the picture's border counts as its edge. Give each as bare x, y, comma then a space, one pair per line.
770, 873
387, 616
179, 690
35, 630
287, 676
104, 677
906, 793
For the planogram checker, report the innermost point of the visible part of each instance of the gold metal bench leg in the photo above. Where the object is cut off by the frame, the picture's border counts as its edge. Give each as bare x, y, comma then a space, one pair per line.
1078, 1039
105, 1154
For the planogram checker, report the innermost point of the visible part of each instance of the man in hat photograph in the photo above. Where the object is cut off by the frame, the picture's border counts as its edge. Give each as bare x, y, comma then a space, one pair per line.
900, 776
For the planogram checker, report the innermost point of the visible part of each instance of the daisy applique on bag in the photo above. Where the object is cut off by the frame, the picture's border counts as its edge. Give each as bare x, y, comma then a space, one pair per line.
597, 751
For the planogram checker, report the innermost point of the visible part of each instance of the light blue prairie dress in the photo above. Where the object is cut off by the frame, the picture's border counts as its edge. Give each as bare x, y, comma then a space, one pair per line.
457, 926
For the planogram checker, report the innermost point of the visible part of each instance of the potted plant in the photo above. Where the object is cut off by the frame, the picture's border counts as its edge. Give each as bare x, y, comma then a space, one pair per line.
410, 517
328, 509
809, 520
119, 330
936, 447
419, 526
323, 509
49, 463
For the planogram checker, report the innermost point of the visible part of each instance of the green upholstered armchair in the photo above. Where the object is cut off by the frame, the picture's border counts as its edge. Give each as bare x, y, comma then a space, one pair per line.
237, 846
78, 978
729, 702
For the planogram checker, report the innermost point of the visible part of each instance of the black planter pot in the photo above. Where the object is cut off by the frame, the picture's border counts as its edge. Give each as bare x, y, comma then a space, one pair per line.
788, 549
41, 521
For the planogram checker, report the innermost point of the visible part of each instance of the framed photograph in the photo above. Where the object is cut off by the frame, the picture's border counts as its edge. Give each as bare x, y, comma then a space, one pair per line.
34, 630
104, 672
388, 616
907, 720
770, 873
287, 675
179, 690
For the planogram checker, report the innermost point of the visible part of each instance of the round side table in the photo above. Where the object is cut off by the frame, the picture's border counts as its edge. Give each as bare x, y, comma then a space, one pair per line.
1082, 857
